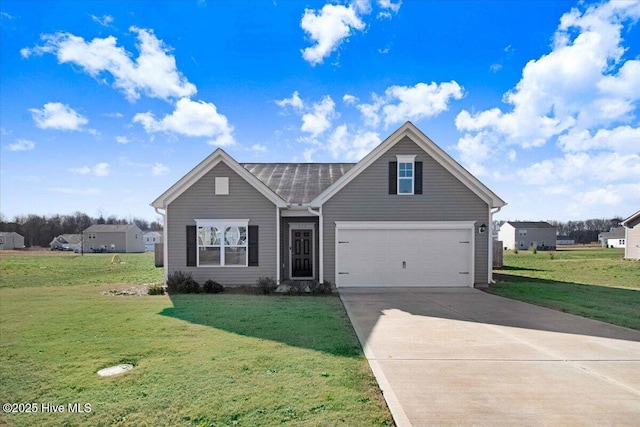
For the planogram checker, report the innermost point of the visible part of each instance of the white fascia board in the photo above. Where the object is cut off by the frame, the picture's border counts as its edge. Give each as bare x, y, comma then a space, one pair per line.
427, 145
633, 217
219, 155
405, 225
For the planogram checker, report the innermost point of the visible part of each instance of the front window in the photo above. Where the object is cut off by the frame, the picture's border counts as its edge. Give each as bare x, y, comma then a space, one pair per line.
222, 243
405, 174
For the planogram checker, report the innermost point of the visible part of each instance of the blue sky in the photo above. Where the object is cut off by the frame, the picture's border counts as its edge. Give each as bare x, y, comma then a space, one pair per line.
104, 105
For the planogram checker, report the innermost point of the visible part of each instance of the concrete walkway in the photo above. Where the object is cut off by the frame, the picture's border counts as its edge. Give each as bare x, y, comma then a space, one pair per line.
446, 356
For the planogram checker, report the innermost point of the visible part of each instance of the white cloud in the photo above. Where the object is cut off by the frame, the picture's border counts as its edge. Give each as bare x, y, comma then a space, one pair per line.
193, 119
159, 169
581, 84
494, 68
623, 139
294, 102
308, 153
115, 115
316, 117
402, 103
153, 73
99, 169
104, 20
21, 145
351, 146
259, 148
327, 29
55, 115
388, 4
319, 118
122, 139
349, 99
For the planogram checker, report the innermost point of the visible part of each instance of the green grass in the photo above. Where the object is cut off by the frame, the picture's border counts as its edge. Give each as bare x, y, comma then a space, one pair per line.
199, 360
47, 268
594, 283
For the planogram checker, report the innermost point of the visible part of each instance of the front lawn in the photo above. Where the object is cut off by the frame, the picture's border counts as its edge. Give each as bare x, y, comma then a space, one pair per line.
199, 360
595, 283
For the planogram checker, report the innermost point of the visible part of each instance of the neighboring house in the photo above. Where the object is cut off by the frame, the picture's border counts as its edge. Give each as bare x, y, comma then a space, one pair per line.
524, 235
113, 238
405, 215
67, 242
632, 236
613, 239
11, 240
150, 240
564, 240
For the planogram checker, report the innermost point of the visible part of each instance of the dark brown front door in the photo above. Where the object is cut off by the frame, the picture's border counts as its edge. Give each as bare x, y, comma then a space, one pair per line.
301, 254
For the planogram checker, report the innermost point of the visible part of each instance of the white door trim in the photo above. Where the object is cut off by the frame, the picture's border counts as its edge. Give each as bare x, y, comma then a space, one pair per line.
303, 226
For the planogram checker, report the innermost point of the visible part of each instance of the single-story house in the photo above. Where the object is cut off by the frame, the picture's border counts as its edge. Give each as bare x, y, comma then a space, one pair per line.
564, 240
632, 236
11, 240
151, 238
113, 238
615, 238
67, 242
407, 214
528, 234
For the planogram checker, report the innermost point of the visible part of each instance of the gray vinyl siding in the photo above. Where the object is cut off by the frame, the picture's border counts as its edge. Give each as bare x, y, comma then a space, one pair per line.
632, 242
135, 241
286, 245
243, 202
444, 198
106, 238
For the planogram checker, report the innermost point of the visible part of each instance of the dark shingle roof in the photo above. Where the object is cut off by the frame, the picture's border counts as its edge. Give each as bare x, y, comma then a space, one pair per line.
109, 227
298, 182
616, 233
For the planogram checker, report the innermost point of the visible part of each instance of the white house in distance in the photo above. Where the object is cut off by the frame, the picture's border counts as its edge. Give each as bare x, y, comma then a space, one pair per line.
150, 240
614, 238
524, 235
11, 240
113, 238
632, 236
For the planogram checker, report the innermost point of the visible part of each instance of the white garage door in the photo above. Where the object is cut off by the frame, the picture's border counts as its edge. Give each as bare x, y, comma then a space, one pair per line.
404, 254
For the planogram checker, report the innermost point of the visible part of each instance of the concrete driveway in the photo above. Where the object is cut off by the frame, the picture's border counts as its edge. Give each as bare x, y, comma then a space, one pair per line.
446, 356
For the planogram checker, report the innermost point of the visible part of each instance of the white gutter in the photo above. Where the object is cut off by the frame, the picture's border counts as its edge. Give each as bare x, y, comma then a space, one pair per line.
165, 246
321, 241
491, 281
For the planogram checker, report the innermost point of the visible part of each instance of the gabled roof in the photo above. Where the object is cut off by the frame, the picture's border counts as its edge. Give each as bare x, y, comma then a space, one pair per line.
632, 218
112, 228
69, 238
219, 155
6, 233
616, 233
298, 183
531, 224
423, 141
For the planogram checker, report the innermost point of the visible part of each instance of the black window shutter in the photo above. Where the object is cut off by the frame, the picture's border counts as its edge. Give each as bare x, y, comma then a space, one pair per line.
253, 245
417, 184
393, 177
192, 246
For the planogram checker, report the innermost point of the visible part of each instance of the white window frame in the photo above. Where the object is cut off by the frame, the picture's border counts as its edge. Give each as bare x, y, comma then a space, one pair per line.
522, 232
222, 224
406, 159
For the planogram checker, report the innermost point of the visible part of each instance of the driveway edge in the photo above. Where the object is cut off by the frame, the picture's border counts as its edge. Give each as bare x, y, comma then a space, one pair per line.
398, 414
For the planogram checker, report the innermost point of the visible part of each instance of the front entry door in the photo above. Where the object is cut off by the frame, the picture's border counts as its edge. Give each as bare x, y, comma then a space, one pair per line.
301, 253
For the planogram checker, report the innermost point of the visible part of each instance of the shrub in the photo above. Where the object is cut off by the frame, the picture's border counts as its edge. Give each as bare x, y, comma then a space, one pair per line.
324, 288
266, 284
534, 249
155, 289
189, 286
551, 255
515, 251
212, 287
177, 278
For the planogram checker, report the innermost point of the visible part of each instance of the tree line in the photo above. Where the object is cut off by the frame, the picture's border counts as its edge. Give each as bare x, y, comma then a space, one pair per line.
583, 231
40, 230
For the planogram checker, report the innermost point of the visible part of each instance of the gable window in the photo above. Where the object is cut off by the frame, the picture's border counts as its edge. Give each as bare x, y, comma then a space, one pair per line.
222, 243
405, 175
222, 185
522, 232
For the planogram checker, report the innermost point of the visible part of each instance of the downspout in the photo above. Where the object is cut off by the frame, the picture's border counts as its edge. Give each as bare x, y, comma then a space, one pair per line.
165, 246
321, 241
491, 281
278, 245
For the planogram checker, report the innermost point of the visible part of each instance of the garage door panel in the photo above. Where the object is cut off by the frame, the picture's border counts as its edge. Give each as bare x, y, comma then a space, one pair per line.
404, 257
